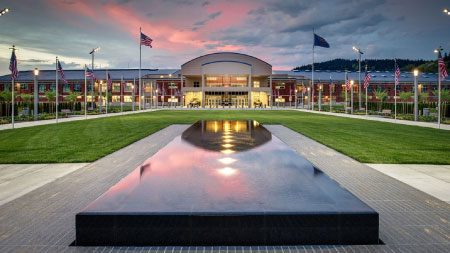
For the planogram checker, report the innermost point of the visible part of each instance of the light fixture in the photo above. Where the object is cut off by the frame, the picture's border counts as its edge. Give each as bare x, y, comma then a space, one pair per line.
36, 71
94, 50
446, 11
352, 82
416, 72
161, 76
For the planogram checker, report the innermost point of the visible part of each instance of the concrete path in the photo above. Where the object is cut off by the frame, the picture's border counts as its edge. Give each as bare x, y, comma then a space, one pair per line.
375, 118
17, 180
431, 179
20, 124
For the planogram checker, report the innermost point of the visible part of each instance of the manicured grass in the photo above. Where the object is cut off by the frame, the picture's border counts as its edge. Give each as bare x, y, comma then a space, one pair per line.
86, 141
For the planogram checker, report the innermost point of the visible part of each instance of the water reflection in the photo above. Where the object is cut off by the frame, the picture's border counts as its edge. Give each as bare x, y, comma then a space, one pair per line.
226, 136
196, 173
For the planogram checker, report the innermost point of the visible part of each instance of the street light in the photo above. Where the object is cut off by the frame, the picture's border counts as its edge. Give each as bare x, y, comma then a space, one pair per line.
351, 94
416, 96
359, 82
4, 11
92, 88
447, 11
36, 93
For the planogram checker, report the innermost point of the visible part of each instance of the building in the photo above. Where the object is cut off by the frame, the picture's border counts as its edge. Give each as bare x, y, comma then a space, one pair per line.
216, 80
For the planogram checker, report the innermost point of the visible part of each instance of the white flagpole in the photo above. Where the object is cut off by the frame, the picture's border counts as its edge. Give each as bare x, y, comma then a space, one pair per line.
439, 99
85, 93
107, 85
320, 96
121, 94
57, 93
346, 102
140, 61
12, 88
395, 91
366, 89
331, 92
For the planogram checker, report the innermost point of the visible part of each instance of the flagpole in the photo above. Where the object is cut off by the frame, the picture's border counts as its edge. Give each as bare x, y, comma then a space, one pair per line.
107, 86
439, 99
346, 102
140, 62
134, 85
395, 91
366, 88
320, 96
13, 77
56, 72
85, 93
121, 95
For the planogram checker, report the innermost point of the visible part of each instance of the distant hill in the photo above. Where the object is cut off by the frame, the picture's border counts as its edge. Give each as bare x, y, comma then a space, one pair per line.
377, 65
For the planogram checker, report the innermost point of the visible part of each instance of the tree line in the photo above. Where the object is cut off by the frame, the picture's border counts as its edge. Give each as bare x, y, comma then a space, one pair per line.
377, 65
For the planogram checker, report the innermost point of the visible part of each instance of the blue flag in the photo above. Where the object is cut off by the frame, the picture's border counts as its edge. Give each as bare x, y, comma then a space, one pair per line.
320, 42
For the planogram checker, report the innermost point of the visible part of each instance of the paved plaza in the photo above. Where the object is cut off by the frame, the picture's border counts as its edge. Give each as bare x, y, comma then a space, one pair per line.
43, 220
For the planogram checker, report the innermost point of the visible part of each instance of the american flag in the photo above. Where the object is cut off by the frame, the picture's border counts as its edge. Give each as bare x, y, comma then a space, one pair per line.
347, 81
90, 73
397, 73
13, 66
145, 40
61, 72
109, 82
442, 70
366, 80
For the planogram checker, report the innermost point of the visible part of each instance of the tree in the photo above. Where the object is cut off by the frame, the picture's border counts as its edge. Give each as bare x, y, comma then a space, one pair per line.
405, 95
72, 98
445, 97
381, 95
27, 97
423, 97
50, 95
7, 97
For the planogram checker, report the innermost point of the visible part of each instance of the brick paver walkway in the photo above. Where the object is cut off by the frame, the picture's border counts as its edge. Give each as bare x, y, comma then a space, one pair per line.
43, 220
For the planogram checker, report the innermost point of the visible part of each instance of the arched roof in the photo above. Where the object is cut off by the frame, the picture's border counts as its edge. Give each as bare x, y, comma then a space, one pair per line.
225, 53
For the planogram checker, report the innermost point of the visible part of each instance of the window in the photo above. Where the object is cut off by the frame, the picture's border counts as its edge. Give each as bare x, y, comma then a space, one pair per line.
116, 98
256, 84
7, 87
66, 88
129, 87
240, 78
116, 87
173, 85
424, 88
77, 87
127, 99
42, 88
211, 78
24, 86
89, 87
370, 89
53, 87
196, 84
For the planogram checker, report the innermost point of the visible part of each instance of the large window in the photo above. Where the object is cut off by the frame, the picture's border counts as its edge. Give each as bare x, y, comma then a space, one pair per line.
425, 88
196, 84
7, 87
129, 87
77, 87
24, 86
256, 84
173, 85
66, 88
53, 87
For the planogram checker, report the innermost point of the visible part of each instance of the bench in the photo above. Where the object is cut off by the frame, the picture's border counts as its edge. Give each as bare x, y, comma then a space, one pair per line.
66, 111
386, 112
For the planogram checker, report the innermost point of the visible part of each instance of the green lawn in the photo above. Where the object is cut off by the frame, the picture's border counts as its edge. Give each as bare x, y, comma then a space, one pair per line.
87, 141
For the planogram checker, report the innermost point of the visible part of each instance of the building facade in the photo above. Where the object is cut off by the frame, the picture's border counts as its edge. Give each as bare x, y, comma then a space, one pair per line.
217, 80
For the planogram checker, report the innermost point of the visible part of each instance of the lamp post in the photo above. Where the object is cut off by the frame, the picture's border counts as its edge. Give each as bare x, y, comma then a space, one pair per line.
359, 80
100, 100
309, 95
92, 88
36, 94
351, 94
4, 11
416, 96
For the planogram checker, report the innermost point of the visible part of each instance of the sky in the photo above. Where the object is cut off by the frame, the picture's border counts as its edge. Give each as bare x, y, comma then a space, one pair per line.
279, 32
